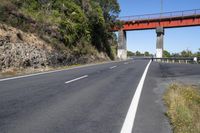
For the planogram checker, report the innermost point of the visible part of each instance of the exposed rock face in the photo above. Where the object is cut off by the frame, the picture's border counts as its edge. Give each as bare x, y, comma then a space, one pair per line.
21, 55
22, 50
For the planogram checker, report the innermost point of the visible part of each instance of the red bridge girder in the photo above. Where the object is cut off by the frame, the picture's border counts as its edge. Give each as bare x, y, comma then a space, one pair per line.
173, 20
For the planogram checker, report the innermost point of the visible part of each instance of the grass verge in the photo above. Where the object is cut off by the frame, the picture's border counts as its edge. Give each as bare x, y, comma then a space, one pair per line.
183, 102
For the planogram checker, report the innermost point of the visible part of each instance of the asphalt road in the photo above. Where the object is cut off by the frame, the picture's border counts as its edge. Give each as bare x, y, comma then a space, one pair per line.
92, 99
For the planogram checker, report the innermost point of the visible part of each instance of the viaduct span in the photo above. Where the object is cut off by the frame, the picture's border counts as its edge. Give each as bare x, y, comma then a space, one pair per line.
158, 22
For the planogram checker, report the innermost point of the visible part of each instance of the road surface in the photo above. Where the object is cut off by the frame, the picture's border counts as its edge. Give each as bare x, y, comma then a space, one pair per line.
93, 99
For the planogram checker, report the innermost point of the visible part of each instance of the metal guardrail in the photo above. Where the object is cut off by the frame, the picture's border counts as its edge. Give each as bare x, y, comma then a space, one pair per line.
181, 60
186, 60
194, 12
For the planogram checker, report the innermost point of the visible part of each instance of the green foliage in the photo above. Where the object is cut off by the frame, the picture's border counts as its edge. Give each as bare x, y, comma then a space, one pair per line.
166, 54
110, 9
186, 53
198, 53
99, 24
70, 22
146, 53
138, 53
130, 53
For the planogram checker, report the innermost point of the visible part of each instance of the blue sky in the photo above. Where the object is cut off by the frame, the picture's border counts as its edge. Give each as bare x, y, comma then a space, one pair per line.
175, 39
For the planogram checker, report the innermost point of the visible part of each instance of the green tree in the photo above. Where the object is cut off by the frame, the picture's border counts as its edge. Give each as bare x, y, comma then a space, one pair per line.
101, 17
110, 9
198, 53
186, 53
166, 54
138, 53
130, 53
175, 55
146, 53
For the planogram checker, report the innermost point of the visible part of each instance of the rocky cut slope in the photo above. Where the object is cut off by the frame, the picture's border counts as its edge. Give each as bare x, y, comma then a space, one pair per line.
50, 33
19, 50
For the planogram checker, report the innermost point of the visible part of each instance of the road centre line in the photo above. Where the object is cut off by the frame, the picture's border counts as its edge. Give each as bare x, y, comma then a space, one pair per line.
130, 117
54, 71
113, 67
82, 77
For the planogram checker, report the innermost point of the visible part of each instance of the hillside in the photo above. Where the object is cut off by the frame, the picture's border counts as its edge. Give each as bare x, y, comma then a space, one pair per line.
43, 33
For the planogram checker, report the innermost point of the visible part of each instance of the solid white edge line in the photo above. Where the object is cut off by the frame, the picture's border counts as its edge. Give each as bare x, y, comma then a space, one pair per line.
85, 76
30, 75
113, 67
130, 117
36, 74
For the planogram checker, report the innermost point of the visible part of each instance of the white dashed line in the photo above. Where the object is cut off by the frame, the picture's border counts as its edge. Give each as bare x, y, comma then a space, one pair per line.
130, 117
54, 71
113, 67
82, 77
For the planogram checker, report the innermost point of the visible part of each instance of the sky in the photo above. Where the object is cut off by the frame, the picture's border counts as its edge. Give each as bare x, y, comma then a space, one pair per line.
175, 39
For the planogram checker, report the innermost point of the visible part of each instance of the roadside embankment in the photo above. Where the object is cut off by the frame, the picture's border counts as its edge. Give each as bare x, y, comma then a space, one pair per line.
183, 103
26, 52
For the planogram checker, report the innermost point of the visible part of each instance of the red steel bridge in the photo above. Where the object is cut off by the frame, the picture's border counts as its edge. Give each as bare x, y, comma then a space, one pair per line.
158, 21
166, 20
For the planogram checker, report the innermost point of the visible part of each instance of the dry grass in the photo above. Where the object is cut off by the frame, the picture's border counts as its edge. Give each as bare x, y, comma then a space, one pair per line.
10, 72
183, 102
19, 72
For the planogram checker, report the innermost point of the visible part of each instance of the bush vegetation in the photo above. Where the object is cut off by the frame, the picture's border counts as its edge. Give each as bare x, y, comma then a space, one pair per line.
66, 24
184, 53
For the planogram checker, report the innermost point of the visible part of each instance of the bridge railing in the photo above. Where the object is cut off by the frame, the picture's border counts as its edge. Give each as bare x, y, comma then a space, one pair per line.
185, 13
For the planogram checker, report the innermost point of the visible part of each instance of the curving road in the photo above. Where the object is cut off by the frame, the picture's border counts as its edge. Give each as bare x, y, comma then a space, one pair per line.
90, 99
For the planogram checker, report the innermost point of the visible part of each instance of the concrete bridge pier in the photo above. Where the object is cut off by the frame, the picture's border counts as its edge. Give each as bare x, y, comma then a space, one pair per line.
159, 43
122, 48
